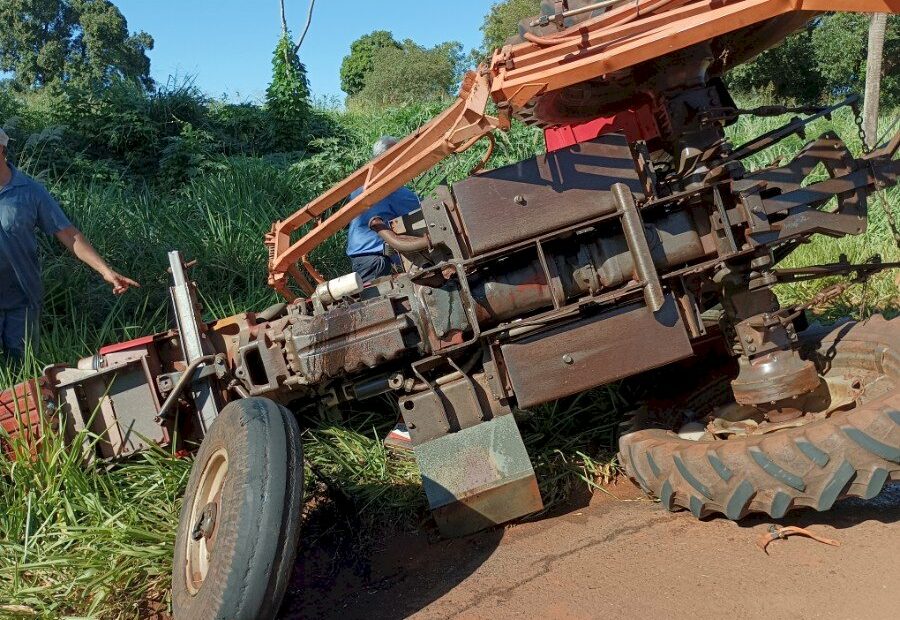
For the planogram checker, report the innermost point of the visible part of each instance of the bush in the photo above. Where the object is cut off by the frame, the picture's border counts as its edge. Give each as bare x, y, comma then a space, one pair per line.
412, 74
825, 61
358, 64
287, 98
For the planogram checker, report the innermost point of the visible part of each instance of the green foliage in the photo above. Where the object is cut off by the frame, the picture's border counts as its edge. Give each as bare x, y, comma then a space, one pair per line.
787, 72
80, 540
413, 73
142, 174
502, 22
287, 97
826, 60
189, 154
86, 42
361, 60
10, 105
841, 44
123, 130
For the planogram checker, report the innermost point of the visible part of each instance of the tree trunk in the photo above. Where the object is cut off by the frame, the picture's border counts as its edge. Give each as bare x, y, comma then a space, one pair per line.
873, 78
309, 15
284, 24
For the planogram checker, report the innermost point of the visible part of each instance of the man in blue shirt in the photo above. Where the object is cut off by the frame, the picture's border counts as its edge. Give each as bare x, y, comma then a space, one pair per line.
25, 205
364, 247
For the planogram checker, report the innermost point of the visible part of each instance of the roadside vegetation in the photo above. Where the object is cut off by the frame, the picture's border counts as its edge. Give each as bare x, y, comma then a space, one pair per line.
146, 170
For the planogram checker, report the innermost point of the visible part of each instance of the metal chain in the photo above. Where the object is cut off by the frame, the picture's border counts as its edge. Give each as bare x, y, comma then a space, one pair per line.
857, 118
879, 189
889, 214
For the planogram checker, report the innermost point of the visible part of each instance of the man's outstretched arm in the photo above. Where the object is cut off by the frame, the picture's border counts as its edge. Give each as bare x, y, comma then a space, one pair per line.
78, 245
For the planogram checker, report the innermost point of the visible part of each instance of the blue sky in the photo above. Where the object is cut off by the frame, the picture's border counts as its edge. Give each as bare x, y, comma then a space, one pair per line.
226, 45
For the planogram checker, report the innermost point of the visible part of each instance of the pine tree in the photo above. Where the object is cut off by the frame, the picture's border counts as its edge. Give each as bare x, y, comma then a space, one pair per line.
287, 97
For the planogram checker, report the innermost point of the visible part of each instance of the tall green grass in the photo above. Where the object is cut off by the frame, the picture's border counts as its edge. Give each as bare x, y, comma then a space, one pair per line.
96, 542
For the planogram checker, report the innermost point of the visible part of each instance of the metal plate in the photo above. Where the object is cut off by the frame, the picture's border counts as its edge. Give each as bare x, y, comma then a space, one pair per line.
117, 404
478, 477
544, 193
595, 351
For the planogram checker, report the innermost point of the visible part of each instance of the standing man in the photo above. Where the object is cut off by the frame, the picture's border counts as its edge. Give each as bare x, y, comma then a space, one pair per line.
364, 247
25, 205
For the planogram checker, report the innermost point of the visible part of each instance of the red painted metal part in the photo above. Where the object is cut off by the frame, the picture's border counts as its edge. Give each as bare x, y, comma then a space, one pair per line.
125, 346
21, 408
637, 123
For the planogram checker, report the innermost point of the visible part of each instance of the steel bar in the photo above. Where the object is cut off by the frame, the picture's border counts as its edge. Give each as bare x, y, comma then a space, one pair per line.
544, 20
186, 378
636, 238
192, 341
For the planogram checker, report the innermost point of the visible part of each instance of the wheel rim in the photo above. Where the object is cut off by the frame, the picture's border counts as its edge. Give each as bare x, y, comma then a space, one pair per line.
206, 507
852, 376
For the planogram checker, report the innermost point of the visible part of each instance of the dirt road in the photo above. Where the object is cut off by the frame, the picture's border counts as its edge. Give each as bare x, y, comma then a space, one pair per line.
623, 558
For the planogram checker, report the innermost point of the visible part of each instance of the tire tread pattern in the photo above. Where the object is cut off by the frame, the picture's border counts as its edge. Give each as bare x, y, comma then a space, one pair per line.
851, 453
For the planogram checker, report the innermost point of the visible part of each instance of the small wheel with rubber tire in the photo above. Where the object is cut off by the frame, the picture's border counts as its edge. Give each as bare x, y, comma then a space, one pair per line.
238, 530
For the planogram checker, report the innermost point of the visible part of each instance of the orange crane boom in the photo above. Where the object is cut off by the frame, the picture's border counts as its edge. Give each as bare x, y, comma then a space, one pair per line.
629, 34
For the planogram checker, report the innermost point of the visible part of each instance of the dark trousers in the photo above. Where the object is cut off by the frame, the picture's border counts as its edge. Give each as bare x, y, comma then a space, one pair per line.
371, 266
18, 333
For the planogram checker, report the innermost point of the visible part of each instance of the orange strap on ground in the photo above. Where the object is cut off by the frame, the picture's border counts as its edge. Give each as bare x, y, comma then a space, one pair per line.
781, 533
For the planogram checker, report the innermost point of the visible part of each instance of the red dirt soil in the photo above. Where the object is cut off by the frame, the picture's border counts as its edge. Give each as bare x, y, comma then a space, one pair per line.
623, 557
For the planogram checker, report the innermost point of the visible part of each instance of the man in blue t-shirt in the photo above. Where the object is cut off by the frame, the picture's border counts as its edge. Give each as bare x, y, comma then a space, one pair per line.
25, 205
364, 247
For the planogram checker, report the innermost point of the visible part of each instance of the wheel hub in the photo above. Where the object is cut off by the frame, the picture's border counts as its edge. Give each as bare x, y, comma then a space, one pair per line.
206, 525
206, 506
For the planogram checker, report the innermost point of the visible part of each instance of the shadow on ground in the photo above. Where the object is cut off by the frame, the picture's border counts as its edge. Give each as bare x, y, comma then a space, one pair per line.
341, 573
338, 576
847, 513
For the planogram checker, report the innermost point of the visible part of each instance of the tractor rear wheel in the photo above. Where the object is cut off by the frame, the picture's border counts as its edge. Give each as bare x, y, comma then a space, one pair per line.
850, 446
238, 531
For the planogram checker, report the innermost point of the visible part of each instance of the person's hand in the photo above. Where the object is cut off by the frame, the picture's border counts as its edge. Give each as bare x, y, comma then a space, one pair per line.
119, 282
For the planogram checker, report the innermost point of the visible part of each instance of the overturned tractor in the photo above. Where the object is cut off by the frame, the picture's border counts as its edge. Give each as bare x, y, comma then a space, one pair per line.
639, 240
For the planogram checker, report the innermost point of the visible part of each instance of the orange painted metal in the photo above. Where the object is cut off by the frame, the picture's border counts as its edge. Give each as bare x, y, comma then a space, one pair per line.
623, 37
455, 130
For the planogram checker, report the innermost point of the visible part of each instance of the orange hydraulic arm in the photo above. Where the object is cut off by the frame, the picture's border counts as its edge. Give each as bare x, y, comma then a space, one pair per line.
455, 130
627, 35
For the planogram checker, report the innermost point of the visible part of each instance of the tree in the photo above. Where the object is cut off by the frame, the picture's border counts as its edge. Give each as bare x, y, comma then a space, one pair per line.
361, 60
874, 58
284, 23
840, 43
413, 73
825, 61
85, 42
287, 97
502, 22
787, 72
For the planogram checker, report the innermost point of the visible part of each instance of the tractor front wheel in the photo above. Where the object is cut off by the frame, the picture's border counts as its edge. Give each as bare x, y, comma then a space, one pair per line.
238, 531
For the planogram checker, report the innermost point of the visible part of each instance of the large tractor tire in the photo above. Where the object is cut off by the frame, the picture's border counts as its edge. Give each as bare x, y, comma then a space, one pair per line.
853, 451
238, 531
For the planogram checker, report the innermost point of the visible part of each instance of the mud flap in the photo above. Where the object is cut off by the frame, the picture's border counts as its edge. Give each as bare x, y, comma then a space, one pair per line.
478, 477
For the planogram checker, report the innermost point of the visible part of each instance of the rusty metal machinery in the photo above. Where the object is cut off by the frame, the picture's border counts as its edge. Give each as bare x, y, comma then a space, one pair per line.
595, 262
637, 239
